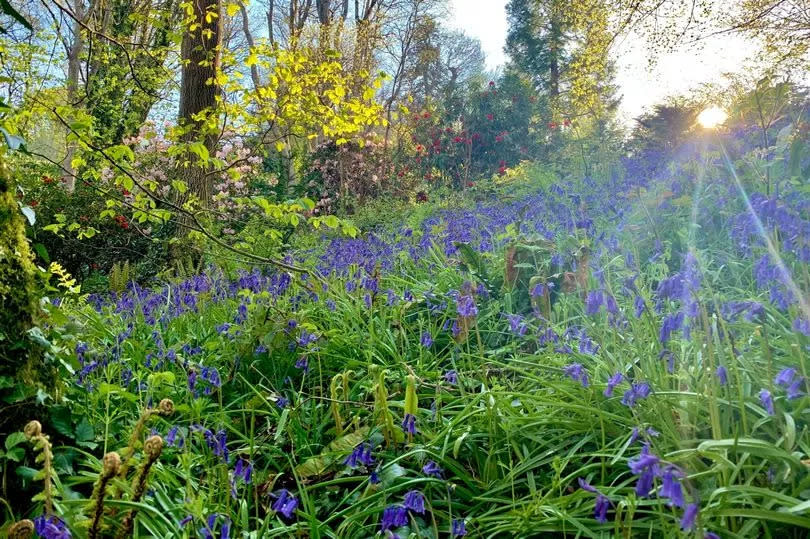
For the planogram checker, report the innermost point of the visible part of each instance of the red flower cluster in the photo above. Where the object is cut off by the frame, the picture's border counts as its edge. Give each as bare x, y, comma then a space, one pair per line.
47, 180
122, 221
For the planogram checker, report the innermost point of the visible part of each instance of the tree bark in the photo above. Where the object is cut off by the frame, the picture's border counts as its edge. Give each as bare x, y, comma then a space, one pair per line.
201, 52
74, 67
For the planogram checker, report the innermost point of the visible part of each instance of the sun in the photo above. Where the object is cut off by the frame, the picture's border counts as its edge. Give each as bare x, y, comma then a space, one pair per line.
712, 117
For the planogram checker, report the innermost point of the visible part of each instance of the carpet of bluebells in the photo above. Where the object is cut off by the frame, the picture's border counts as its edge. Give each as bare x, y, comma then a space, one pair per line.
616, 357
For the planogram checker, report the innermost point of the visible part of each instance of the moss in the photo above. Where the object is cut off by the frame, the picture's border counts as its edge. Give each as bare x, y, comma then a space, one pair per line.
19, 296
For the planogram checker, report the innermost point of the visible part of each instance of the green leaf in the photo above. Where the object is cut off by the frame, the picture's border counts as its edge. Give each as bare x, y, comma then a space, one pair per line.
14, 439
84, 431
15, 454
318, 465
61, 420
42, 252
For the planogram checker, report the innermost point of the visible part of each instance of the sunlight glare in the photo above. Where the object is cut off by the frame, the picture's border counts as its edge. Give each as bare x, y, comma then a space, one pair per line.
712, 117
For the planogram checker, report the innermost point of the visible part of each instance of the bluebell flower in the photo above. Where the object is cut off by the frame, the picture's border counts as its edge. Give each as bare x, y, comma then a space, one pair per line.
391, 298
51, 527
409, 424
207, 531
407, 295
260, 349
671, 487
432, 469
710, 535
670, 325
243, 470
722, 375
225, 530
577, 372
538, 290
361, 455
458, 528
785, 377
374, 476
426, 339
689, 517
367, 301
285, 503
639, 306
644, 484
185, 520
330, 304
302, 363
637, 391
282, 402
600, 508
802, 326
393, 516
451, 377
794, 390
594, 301
613, 381
415, 501
465, 305
767, 401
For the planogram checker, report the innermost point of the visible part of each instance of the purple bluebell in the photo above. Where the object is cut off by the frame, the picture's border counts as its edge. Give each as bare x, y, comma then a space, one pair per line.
600, 508
393, 517
409, 424
639, 306
766, 399
285, 503
465, 305
458, 528
689, 517
613, 381
432, 469
577, 372
722, 375
584, 485
516, 324
51, 527
710, 535
302, 363
414, 501
243, 470
594, 301
451, 377
802, 326
360, 456
670, 325
637, 391
794, 390
785, 377
671, 486
282, 402
426, 340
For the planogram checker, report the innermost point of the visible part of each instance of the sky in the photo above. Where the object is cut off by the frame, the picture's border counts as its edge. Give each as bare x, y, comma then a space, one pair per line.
640, 86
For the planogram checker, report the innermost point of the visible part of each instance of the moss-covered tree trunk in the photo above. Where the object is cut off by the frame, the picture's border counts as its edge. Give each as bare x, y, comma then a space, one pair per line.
18, 288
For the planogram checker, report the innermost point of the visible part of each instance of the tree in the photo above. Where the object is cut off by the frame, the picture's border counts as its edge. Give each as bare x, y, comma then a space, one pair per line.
564, 45
783, 26
199, 90
538, 40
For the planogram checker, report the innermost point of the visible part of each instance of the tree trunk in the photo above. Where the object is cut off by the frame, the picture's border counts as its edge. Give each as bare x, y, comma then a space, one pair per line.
201, 50
74, 66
